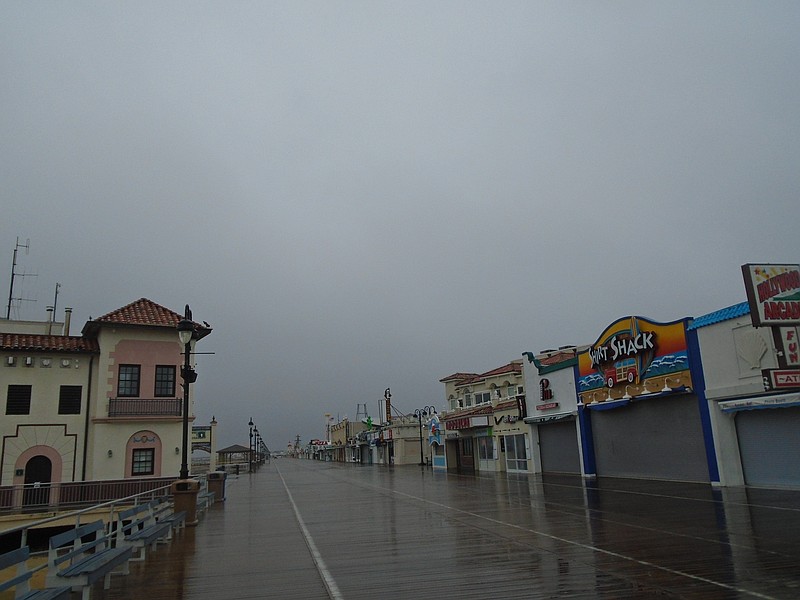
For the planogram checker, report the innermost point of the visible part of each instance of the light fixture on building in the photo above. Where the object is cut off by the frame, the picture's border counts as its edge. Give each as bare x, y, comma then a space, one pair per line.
110, 454
177, 450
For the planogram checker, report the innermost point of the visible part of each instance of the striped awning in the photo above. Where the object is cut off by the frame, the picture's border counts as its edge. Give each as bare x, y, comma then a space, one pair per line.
759, 402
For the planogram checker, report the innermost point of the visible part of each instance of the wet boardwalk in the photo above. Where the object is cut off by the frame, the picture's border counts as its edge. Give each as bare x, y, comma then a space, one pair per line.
307, 530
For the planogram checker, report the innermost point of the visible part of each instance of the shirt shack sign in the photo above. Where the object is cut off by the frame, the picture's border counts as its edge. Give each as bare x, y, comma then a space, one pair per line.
634, 357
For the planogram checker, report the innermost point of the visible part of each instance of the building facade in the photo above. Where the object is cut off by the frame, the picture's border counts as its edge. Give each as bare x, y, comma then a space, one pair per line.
752, 390
474, 440
553, 411
103, 405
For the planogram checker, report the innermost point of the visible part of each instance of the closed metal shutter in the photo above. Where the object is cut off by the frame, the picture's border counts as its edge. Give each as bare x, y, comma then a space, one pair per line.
769, 443
558, 444
658, 438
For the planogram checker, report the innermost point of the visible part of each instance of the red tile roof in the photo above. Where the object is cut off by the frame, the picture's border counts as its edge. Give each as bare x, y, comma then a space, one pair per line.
466, 378
144, 313
456, 376
46, 343
483, 409
512, 367
558, 357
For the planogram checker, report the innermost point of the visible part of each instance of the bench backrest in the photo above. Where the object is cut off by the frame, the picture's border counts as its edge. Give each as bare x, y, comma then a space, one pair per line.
73, 538
17, 557
136, 517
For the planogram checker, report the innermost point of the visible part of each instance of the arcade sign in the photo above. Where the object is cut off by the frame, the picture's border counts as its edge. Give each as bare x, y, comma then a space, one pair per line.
773, 292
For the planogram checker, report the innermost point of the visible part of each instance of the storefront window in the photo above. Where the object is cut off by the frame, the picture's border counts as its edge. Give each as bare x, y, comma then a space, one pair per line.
486, 448
516, 453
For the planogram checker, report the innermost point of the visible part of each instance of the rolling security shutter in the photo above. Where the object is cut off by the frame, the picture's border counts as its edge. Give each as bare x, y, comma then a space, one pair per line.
769, 444
658, 438
558, 443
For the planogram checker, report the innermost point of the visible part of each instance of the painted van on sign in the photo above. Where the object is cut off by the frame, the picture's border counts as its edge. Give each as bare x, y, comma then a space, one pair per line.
634, 357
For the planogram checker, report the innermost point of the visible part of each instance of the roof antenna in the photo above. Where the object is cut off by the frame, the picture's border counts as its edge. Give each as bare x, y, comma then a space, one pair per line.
14, 274
55, 299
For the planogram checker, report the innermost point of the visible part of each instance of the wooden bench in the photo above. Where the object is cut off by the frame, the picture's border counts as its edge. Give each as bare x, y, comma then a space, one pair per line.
21, 581
138, 528
80, 563
164, 512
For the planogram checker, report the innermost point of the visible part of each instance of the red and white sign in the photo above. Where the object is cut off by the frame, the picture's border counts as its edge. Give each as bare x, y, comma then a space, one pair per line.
773, 292
547, 406
783, 378
467, 422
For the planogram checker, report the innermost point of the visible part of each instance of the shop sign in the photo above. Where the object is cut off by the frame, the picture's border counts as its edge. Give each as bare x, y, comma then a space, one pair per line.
773, 292
547, 406
776, 379
787, 340
545, 393
467, 422
510, 419
634, 357
434, 430
551, 418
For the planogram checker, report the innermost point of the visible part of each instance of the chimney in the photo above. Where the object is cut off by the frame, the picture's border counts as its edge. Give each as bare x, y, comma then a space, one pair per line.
49, 329
67, 317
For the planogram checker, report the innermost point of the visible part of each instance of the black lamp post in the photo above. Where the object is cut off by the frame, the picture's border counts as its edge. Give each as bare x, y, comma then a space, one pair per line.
419, 413
186, 333
250, 449
257, 446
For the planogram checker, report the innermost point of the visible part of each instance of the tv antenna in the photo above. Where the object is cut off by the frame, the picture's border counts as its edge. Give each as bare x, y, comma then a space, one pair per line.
14, 275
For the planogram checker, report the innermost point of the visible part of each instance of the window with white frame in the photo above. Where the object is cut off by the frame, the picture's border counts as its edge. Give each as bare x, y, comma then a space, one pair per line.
483, 397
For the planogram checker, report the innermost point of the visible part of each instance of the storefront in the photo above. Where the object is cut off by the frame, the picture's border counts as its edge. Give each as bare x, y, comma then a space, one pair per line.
512, 439
640, 416
552, 411
467, 440
750, 363
769, 443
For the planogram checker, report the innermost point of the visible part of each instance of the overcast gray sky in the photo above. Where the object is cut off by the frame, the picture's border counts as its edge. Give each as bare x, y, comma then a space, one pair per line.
362, 195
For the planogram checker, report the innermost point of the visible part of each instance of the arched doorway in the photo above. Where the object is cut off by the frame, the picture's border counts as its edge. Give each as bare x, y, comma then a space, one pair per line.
38, 475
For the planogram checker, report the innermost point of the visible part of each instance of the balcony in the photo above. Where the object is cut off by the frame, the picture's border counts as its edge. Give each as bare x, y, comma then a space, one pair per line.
140, 407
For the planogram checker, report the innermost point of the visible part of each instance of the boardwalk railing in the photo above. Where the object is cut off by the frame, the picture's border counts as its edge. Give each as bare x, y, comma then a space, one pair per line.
75, 494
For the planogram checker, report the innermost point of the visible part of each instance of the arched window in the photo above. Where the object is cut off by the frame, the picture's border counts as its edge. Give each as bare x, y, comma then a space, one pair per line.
143, 455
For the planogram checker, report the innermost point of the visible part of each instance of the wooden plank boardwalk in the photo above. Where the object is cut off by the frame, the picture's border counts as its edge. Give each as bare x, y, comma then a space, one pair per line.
307, 530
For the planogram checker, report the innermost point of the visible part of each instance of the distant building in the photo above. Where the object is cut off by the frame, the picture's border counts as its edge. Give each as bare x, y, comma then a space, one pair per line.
103, 405
483, 425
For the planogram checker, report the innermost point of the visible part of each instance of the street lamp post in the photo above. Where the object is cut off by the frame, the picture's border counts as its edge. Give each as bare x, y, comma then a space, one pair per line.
250, 447
186, 333
256, 446
419, 413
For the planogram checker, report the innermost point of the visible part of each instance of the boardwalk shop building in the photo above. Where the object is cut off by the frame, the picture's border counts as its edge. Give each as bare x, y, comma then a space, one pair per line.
483, 426
552, 410
752, 391
103, 405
